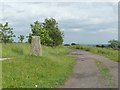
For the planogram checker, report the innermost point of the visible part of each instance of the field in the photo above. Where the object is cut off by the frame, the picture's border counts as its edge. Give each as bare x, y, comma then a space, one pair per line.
26, 71
48, 71
107, 52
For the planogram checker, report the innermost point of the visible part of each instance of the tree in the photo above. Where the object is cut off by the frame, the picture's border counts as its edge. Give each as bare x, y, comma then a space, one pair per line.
54, 32
48, 31
6, 33
38, 30
73, 44
113, 44
29, 37
21, 38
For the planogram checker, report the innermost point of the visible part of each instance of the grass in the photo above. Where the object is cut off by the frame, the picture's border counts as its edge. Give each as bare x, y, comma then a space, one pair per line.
109, 53
26, 71
0, 74
0, 66
105, 72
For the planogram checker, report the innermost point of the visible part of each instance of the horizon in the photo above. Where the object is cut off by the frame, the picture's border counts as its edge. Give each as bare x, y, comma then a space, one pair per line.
81, 22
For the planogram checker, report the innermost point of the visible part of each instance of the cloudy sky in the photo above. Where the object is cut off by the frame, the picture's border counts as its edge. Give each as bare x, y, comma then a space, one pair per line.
82, 22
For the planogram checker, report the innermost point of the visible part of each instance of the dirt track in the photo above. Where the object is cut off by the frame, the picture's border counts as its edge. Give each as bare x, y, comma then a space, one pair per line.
86, 74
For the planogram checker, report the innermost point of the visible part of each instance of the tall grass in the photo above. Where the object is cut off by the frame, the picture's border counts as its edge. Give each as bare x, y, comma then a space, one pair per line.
26, 71
15, 50
107, 52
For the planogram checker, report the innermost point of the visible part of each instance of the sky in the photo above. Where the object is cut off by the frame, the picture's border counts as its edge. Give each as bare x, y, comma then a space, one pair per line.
83, 22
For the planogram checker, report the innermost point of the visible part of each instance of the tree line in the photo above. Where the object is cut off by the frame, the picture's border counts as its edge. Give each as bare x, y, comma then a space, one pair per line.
48, 31
114, 44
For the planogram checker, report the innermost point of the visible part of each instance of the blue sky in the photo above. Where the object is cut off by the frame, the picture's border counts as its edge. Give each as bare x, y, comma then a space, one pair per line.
82, 22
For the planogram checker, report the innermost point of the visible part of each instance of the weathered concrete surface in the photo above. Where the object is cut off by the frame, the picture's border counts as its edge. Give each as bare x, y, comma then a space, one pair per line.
36, 46
85, 73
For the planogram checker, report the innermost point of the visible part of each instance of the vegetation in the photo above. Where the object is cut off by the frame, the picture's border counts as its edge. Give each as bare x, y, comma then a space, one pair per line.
0, 67
48, 31
114, 44
6, 33
105, 72
107, 52
21, 38
53, 68
25, 71
38, 30
52, 27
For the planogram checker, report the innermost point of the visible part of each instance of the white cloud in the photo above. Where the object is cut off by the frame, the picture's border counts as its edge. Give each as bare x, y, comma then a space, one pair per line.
54, 9
77, 30
109, 30
76, 17
60, 0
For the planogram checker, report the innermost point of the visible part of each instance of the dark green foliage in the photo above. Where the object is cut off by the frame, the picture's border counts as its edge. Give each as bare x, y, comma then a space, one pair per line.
52, 27
48, 31
21, 37
114, 44
73, 43
6, 33
66, 44
29, 37
38, 30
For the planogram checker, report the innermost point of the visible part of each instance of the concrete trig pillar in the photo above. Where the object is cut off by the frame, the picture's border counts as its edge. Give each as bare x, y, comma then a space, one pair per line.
36, 46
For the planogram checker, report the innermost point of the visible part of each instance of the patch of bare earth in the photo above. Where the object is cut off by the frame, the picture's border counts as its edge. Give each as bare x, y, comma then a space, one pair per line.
4, 58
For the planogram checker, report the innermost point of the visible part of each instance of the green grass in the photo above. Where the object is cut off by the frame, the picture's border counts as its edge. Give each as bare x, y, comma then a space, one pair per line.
109, 53
26, 71
0, 74
105, 72
0, 66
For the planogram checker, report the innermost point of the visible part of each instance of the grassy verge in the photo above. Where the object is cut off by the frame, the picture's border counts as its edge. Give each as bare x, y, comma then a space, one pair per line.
25, 71
109, 53
0, 66
0, 74
105, 72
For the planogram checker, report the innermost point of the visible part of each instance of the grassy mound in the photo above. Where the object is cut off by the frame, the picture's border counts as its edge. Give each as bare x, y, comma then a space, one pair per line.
26, 71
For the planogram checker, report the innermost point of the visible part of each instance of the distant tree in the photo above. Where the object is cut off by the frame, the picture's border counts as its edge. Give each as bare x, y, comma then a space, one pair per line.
97, 45
102, 46
114, 44
21, 38
6, 33
66, 44
73, 43
29, 37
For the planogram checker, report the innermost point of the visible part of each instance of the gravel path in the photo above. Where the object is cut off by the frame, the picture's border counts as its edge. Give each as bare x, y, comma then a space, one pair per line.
4, 58
85, 73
